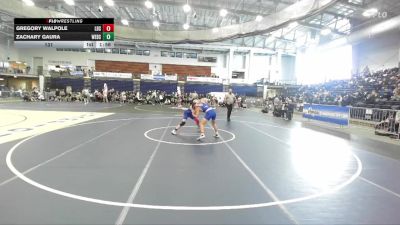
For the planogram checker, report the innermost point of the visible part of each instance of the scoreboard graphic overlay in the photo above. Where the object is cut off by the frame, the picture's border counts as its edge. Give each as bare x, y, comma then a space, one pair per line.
64, 32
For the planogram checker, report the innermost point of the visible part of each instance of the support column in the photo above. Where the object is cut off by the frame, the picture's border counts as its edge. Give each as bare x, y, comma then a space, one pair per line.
248, 75
136, 85
41, 83
399, 55
278, 70
87, 83
230, 64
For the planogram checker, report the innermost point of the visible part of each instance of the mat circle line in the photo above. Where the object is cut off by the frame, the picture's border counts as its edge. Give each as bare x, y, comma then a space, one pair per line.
146, 134
15, 122
14, 170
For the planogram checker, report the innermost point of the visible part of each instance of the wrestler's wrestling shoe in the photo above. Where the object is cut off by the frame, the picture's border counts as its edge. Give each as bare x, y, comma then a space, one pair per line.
202, 136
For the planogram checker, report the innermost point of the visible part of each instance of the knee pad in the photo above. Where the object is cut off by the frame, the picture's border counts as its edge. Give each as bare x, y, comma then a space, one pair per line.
182, 123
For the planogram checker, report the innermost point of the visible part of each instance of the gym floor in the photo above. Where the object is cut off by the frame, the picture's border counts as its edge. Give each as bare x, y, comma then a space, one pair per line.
67, 163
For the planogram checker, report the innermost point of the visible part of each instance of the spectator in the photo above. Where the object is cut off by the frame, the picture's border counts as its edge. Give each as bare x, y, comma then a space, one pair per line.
86, 96
396, 93
105, 93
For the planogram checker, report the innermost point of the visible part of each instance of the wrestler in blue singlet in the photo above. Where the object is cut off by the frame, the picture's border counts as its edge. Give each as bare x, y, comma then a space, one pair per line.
210, 114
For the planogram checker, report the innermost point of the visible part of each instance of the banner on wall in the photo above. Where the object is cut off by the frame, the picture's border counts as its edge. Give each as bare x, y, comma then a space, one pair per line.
146, 77
327, 113
159, 77
112, 75
238, 81
171, 77
77, 73
204, 79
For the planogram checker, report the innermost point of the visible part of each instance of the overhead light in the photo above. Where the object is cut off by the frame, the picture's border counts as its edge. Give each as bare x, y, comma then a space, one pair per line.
370, 12
18, 62
223, 12
259, 18
69, 2
125, 22
186, 8
156, 23
148, 4
215, 30
29, 2
326, 31
101, 8
293, 24
109, 2
186, 26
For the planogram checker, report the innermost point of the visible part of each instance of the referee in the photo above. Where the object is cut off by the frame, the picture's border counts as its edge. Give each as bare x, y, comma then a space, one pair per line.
229, 101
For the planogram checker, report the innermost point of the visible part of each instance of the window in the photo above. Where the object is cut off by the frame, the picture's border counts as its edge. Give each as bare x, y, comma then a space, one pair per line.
146, 52
115, 50
207, 59
123, 51
178, 54
100, 50
171, 54
191, 55
131, 51
139, 52
237, 75
164, 54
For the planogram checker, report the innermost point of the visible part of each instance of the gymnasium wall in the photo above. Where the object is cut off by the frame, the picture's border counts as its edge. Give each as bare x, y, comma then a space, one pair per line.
186, 70
288, 66
378, 52
21, 83
254, 66
118, 85
121, 66
62, 83
86, 58
8, 50
168, 87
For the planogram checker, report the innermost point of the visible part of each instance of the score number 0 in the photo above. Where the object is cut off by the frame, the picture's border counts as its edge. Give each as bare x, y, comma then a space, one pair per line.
108, 27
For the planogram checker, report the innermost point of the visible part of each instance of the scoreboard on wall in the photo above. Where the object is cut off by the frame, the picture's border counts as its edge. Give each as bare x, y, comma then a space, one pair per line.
64, 32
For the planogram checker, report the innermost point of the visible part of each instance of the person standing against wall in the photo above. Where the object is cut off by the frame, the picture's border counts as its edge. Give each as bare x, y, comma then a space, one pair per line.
105, 93
229, 101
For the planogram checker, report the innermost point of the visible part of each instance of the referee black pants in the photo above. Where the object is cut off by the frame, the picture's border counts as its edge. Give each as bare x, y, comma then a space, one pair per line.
229, 107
